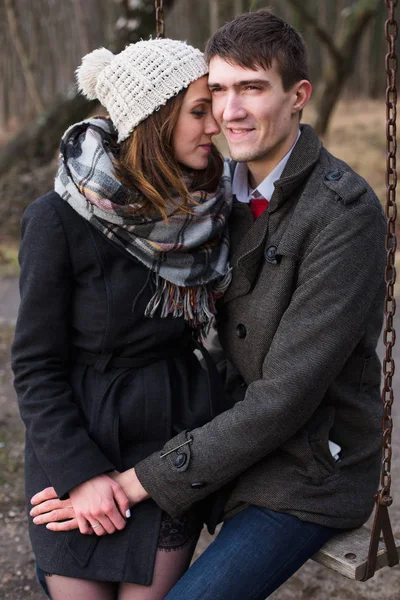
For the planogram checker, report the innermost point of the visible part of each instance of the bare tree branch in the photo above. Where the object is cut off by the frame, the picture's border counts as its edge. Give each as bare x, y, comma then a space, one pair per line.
319, 30
355, 20
357, 17
342, 50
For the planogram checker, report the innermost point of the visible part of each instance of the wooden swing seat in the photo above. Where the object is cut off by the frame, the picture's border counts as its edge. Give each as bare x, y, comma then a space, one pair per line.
347, 553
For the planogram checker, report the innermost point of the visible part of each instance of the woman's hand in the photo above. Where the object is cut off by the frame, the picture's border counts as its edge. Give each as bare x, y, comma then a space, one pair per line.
59, 515
99, 504
131, 485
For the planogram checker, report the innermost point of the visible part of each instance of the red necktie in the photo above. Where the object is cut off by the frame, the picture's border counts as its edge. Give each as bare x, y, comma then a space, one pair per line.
257, 204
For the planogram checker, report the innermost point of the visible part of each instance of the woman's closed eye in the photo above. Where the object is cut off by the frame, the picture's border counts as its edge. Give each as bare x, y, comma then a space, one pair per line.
199, 113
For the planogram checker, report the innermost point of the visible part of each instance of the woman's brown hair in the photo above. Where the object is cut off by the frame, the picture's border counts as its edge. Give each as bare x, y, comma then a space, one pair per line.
145, 162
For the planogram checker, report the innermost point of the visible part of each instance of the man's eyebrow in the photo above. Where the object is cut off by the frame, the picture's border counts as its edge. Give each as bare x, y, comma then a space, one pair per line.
243, 82
253, 81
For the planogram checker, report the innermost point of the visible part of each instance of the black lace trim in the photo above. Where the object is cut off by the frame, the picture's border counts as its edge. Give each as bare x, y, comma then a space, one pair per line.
176, 533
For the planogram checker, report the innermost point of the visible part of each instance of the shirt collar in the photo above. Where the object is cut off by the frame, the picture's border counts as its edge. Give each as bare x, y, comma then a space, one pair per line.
240, 182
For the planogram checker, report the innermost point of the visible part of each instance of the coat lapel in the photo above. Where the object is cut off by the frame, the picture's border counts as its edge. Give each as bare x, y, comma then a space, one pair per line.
248, 238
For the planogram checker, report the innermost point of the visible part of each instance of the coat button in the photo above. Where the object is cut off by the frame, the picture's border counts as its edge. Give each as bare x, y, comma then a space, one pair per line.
270, 255
241, 331
180, 460
333, 175
198, 485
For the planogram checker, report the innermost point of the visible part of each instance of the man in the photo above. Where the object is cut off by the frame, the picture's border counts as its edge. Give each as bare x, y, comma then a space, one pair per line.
299, 327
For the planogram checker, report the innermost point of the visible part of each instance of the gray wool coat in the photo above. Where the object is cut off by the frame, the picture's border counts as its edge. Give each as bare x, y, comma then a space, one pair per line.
299, 326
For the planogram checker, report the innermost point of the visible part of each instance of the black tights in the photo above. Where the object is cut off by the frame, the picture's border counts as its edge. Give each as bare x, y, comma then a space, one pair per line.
169, 567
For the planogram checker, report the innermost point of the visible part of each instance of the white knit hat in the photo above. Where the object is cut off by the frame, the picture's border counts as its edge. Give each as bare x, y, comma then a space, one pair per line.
134, 83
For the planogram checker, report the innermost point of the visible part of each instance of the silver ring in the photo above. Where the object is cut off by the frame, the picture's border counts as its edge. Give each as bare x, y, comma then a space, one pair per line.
96, 525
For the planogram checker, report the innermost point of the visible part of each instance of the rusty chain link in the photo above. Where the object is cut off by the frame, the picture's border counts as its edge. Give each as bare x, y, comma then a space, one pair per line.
160, 25
389, 336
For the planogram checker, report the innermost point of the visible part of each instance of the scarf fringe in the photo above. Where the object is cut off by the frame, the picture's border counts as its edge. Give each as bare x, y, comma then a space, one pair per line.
196, 304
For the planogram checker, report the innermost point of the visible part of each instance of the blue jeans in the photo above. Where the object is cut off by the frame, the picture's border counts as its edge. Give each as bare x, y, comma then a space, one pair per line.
254, 553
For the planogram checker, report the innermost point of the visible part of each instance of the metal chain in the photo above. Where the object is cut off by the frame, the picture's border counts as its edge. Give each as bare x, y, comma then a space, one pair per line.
389, 336
160, 25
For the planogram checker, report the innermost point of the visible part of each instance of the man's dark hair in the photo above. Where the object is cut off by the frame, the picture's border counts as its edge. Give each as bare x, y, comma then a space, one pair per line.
259, 39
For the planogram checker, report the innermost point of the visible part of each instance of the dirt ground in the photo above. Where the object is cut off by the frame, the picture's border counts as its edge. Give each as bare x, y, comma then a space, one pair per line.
359, 123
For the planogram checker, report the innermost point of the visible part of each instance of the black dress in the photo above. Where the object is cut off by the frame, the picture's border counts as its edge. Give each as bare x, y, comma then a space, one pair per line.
100, 386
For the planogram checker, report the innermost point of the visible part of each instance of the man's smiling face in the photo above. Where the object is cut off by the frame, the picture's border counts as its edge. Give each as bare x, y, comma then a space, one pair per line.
258, 117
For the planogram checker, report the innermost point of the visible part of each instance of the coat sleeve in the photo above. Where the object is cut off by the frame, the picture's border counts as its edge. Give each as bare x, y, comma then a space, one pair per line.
40, 355
339, 281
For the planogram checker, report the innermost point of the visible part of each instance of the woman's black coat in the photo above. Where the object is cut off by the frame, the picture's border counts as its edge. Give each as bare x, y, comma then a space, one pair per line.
82, 305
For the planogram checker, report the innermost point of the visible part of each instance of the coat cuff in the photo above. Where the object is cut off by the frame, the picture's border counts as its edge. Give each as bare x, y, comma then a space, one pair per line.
169, 476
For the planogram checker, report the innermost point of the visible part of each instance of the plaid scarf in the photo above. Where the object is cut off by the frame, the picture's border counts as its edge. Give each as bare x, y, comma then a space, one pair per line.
188, 256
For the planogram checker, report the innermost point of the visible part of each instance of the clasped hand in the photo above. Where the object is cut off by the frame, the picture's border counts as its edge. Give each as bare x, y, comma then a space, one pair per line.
99, 505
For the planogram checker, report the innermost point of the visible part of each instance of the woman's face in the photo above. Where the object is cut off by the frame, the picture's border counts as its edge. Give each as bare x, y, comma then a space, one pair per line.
195, 127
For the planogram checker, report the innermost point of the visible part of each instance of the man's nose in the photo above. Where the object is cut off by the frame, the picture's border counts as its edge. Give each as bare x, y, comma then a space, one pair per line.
233, 109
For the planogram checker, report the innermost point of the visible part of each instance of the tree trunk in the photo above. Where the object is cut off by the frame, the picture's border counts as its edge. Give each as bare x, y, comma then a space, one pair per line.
27, 161
238, 7
329, 93
333, 85
377, 55
38, 141
342, 50
82, 26
214, 21
23, 56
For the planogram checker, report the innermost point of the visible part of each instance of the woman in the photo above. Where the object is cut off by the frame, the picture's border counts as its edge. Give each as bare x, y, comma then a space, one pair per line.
120, 268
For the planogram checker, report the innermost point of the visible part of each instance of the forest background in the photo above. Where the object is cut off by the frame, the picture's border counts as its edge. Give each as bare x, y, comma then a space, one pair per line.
42, 42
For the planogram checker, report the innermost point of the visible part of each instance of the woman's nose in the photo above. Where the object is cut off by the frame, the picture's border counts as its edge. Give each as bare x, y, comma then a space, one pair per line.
212, 127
